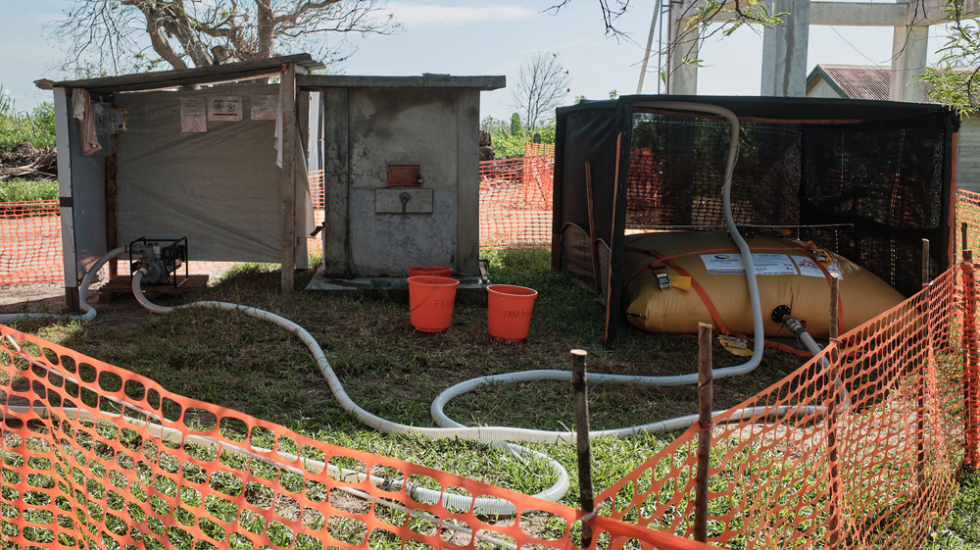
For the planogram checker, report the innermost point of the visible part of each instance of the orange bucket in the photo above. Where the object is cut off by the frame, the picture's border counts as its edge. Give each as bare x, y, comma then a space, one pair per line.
430, 270
431, 300
509, 310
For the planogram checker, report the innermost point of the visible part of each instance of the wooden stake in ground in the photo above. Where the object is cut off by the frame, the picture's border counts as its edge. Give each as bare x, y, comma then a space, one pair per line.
705, 397
580, 397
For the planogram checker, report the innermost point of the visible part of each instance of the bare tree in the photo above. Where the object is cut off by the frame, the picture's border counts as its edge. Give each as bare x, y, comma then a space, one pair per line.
112, 36
542, 84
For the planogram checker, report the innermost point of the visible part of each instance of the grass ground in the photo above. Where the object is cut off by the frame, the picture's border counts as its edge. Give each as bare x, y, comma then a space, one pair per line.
395, 372
22, 190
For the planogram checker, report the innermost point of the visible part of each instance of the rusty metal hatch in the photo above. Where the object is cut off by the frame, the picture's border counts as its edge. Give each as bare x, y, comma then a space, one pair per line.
405, 175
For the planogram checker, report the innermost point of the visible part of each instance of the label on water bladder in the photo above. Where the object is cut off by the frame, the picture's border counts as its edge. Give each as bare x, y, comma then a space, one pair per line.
809, 268
765, 264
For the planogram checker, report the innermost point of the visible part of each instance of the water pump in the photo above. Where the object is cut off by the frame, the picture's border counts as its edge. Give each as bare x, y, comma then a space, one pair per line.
161, 258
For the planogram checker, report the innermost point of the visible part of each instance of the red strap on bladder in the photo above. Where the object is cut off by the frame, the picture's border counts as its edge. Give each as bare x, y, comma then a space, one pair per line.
661, 259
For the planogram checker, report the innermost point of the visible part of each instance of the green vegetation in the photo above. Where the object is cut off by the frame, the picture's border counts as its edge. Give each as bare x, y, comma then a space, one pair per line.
961, 530
22, 190
509, 137
16, 127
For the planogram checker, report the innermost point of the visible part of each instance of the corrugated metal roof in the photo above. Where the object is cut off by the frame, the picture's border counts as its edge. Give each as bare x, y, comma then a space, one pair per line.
860, 81
427, 80
230, 72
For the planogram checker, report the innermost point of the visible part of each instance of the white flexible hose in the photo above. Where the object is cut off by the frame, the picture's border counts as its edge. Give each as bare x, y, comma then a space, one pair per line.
493, 436
89, 311
726, 200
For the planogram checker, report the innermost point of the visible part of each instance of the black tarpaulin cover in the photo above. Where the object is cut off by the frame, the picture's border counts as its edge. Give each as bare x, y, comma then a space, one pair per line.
866, 179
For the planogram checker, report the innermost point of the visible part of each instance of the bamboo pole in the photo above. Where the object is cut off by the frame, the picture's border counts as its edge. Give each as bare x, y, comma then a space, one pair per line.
580, 397
705, 391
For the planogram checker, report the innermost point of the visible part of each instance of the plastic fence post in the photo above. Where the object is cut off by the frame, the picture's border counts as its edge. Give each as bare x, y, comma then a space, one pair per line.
705, 396
580, 398
831, 419
971, 359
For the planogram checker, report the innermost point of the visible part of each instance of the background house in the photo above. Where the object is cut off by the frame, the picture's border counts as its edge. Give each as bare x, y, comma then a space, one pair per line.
871, 82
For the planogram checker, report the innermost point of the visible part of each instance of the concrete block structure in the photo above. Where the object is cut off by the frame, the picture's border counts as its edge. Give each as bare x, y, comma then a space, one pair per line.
401, 176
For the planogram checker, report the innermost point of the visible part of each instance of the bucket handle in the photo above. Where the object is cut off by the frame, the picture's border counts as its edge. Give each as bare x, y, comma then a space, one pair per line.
433, 289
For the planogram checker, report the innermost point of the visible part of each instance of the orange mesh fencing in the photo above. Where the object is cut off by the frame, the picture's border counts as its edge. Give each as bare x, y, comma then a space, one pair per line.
859, 448
516, 202
538, 149
968, 212
97, 457
30, 243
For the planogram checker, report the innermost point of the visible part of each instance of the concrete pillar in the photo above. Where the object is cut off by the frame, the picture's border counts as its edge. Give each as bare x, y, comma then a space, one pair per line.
682, 78
784, 51
910, 47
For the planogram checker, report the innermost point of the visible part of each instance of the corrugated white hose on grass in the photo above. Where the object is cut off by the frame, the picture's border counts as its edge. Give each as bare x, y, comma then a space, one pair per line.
493, 436
496, 435
89, 311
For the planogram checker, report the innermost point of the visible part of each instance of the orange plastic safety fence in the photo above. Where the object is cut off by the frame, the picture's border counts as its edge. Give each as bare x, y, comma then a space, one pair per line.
516, 202
968, 212
538, 149
97, 457
858, 448
30, 242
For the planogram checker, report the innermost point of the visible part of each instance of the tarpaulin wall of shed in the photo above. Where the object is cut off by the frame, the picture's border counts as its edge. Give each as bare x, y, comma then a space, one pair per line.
219, 188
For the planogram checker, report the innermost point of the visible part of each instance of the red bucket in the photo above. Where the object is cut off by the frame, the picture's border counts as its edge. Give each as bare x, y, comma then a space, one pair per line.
430, 270
509, 311
431, 301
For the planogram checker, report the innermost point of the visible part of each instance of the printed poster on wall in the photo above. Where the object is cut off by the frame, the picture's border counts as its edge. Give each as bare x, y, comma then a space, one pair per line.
224, 108
192, 115
264, 107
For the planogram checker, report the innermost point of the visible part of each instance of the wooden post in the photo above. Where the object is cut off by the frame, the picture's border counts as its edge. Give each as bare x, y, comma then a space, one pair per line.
612, 311
287, 183
964, 242
580, 397
830, 421
705, 397
925, 262
971, 459
834, 331
593, 238
111, 212
920, 409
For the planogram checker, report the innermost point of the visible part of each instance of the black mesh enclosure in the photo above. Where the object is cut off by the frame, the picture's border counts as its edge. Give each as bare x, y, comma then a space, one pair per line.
677, 165
866, 179
885, 181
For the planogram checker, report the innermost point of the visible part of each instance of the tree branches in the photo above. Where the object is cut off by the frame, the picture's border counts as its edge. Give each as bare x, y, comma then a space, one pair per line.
541, 86
113, 36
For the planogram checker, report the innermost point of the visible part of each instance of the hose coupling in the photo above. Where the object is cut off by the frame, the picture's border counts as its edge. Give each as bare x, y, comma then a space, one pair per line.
795, 326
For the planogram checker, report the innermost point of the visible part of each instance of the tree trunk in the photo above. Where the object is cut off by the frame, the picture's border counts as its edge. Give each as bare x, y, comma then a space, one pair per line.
265, 29
154, 27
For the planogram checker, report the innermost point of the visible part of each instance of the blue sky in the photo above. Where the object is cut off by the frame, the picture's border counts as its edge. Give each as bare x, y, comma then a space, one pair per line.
490, 38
